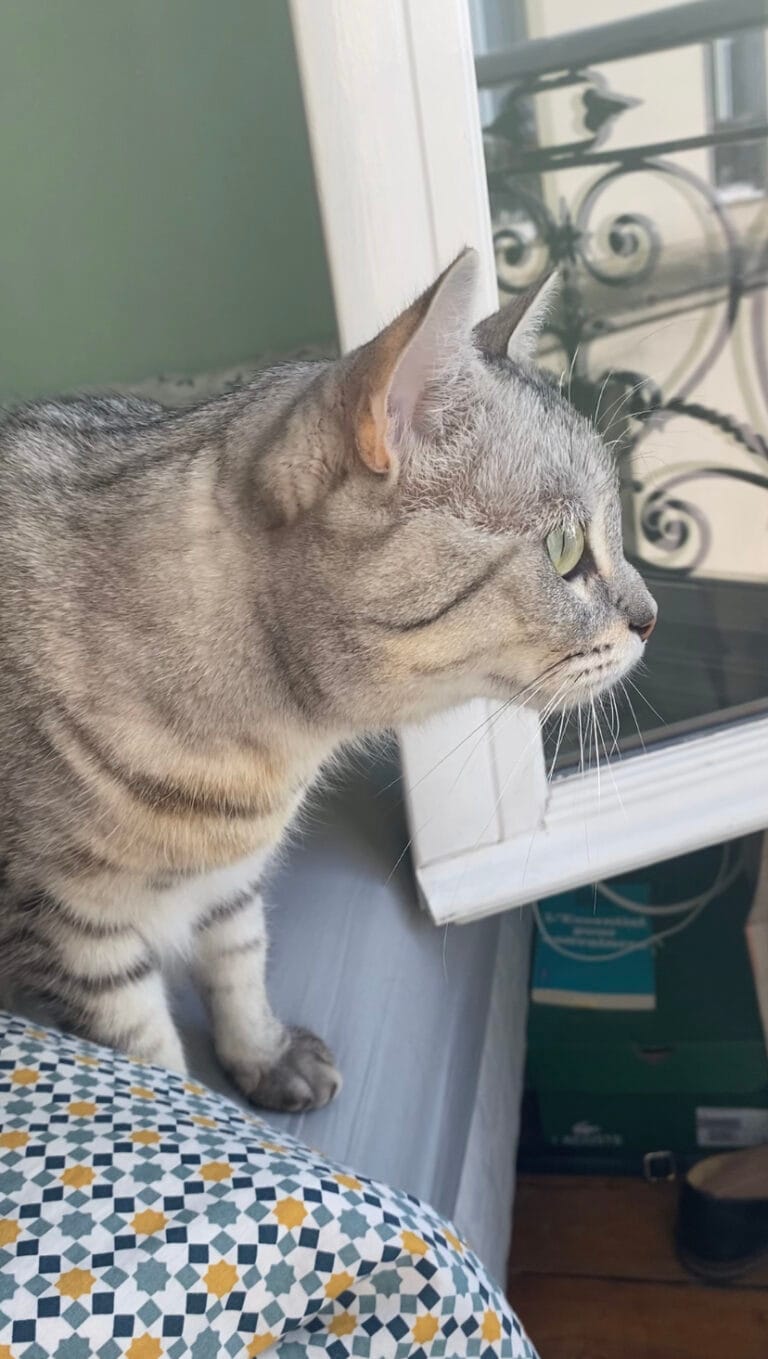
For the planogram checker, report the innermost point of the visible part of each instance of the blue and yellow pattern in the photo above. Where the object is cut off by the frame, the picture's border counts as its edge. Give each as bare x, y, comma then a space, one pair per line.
144, 1216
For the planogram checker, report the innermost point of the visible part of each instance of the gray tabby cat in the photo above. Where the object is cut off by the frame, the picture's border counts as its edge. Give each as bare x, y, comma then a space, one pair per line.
198, 607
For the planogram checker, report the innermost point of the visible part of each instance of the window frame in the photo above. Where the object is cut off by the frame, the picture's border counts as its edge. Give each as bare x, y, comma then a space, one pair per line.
392, 113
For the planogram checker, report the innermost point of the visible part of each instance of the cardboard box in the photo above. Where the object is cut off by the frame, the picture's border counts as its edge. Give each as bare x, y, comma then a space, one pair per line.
689, 1075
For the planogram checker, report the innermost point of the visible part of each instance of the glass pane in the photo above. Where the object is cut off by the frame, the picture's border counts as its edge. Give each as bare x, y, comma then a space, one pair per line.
631, 152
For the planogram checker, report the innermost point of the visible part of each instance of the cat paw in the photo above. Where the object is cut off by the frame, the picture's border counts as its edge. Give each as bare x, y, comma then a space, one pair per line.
303, 1077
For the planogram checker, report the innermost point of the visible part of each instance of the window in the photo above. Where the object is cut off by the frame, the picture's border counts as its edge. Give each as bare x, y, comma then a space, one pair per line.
739, 99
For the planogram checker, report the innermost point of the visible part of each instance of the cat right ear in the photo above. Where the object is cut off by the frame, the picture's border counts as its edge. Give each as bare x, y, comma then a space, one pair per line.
513, 331
392, 379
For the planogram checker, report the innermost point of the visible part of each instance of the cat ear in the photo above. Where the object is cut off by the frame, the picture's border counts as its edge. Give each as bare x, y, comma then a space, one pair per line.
390, 378
513, 331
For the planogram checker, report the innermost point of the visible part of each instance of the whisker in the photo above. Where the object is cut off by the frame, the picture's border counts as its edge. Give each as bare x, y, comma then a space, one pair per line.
646, 701
615, 725
549, 708
622, 400
634, 714
489, 718
531, 843
399, 777
564, 716
596, 416
528, 691
597, 749
608, 764
570, 370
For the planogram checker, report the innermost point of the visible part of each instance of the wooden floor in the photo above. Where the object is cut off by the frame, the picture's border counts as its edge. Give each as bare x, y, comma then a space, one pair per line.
593, 1275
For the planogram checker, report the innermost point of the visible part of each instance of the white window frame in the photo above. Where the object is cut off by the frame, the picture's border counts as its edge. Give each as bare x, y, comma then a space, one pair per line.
392, 111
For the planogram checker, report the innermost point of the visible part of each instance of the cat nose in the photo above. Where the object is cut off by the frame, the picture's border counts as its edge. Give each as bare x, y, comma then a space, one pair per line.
643, 629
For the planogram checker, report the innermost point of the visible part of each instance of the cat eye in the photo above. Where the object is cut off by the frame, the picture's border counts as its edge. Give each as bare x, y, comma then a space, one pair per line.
566, 549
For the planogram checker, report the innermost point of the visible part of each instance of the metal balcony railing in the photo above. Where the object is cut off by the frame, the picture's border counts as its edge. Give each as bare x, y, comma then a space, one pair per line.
620, 269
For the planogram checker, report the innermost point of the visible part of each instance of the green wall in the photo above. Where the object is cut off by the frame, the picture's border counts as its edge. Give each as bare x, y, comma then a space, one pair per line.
157, 209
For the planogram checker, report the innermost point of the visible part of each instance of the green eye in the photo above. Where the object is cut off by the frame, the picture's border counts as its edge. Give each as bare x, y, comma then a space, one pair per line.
566, 549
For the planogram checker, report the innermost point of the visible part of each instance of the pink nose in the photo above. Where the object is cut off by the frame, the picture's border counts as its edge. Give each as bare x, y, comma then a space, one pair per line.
644, 629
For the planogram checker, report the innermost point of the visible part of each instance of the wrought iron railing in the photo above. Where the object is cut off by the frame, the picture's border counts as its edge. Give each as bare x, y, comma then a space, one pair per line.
626, 257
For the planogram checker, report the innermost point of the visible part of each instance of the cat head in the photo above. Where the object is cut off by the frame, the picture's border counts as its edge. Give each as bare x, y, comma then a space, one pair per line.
448, 525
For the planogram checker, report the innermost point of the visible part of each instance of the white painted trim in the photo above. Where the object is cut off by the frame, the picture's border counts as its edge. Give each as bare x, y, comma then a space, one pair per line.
676, 798
487, 1186
391, 102
354, 61
450, 780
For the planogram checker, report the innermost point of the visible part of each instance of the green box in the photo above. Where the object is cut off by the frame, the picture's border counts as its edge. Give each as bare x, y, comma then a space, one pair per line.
627, 1127
692, 1073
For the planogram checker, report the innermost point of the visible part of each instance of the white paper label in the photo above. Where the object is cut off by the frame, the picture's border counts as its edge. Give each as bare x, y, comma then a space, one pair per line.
731, 1127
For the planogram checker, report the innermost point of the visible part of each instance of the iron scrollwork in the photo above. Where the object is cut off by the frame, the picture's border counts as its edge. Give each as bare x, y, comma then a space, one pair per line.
626, 251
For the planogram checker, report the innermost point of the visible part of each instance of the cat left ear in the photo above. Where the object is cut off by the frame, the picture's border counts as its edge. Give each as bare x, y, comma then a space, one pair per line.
513, 331
392, 377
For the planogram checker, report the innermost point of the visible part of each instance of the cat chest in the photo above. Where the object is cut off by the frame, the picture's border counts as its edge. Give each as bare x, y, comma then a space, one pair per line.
171, 911
169, 908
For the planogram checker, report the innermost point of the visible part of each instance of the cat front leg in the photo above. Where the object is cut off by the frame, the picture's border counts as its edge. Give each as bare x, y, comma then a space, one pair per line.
276, 1067
101, 979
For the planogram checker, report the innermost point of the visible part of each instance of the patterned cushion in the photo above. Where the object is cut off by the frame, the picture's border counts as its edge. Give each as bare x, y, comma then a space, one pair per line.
142, 1215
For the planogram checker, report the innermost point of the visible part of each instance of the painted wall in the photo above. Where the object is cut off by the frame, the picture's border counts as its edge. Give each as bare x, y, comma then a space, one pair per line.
158, 209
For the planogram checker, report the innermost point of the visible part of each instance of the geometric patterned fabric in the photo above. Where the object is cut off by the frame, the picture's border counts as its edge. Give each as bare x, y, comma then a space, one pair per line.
144, 1216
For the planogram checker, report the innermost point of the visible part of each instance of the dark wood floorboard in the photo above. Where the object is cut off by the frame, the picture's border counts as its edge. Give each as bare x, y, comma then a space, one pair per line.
593, 1275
